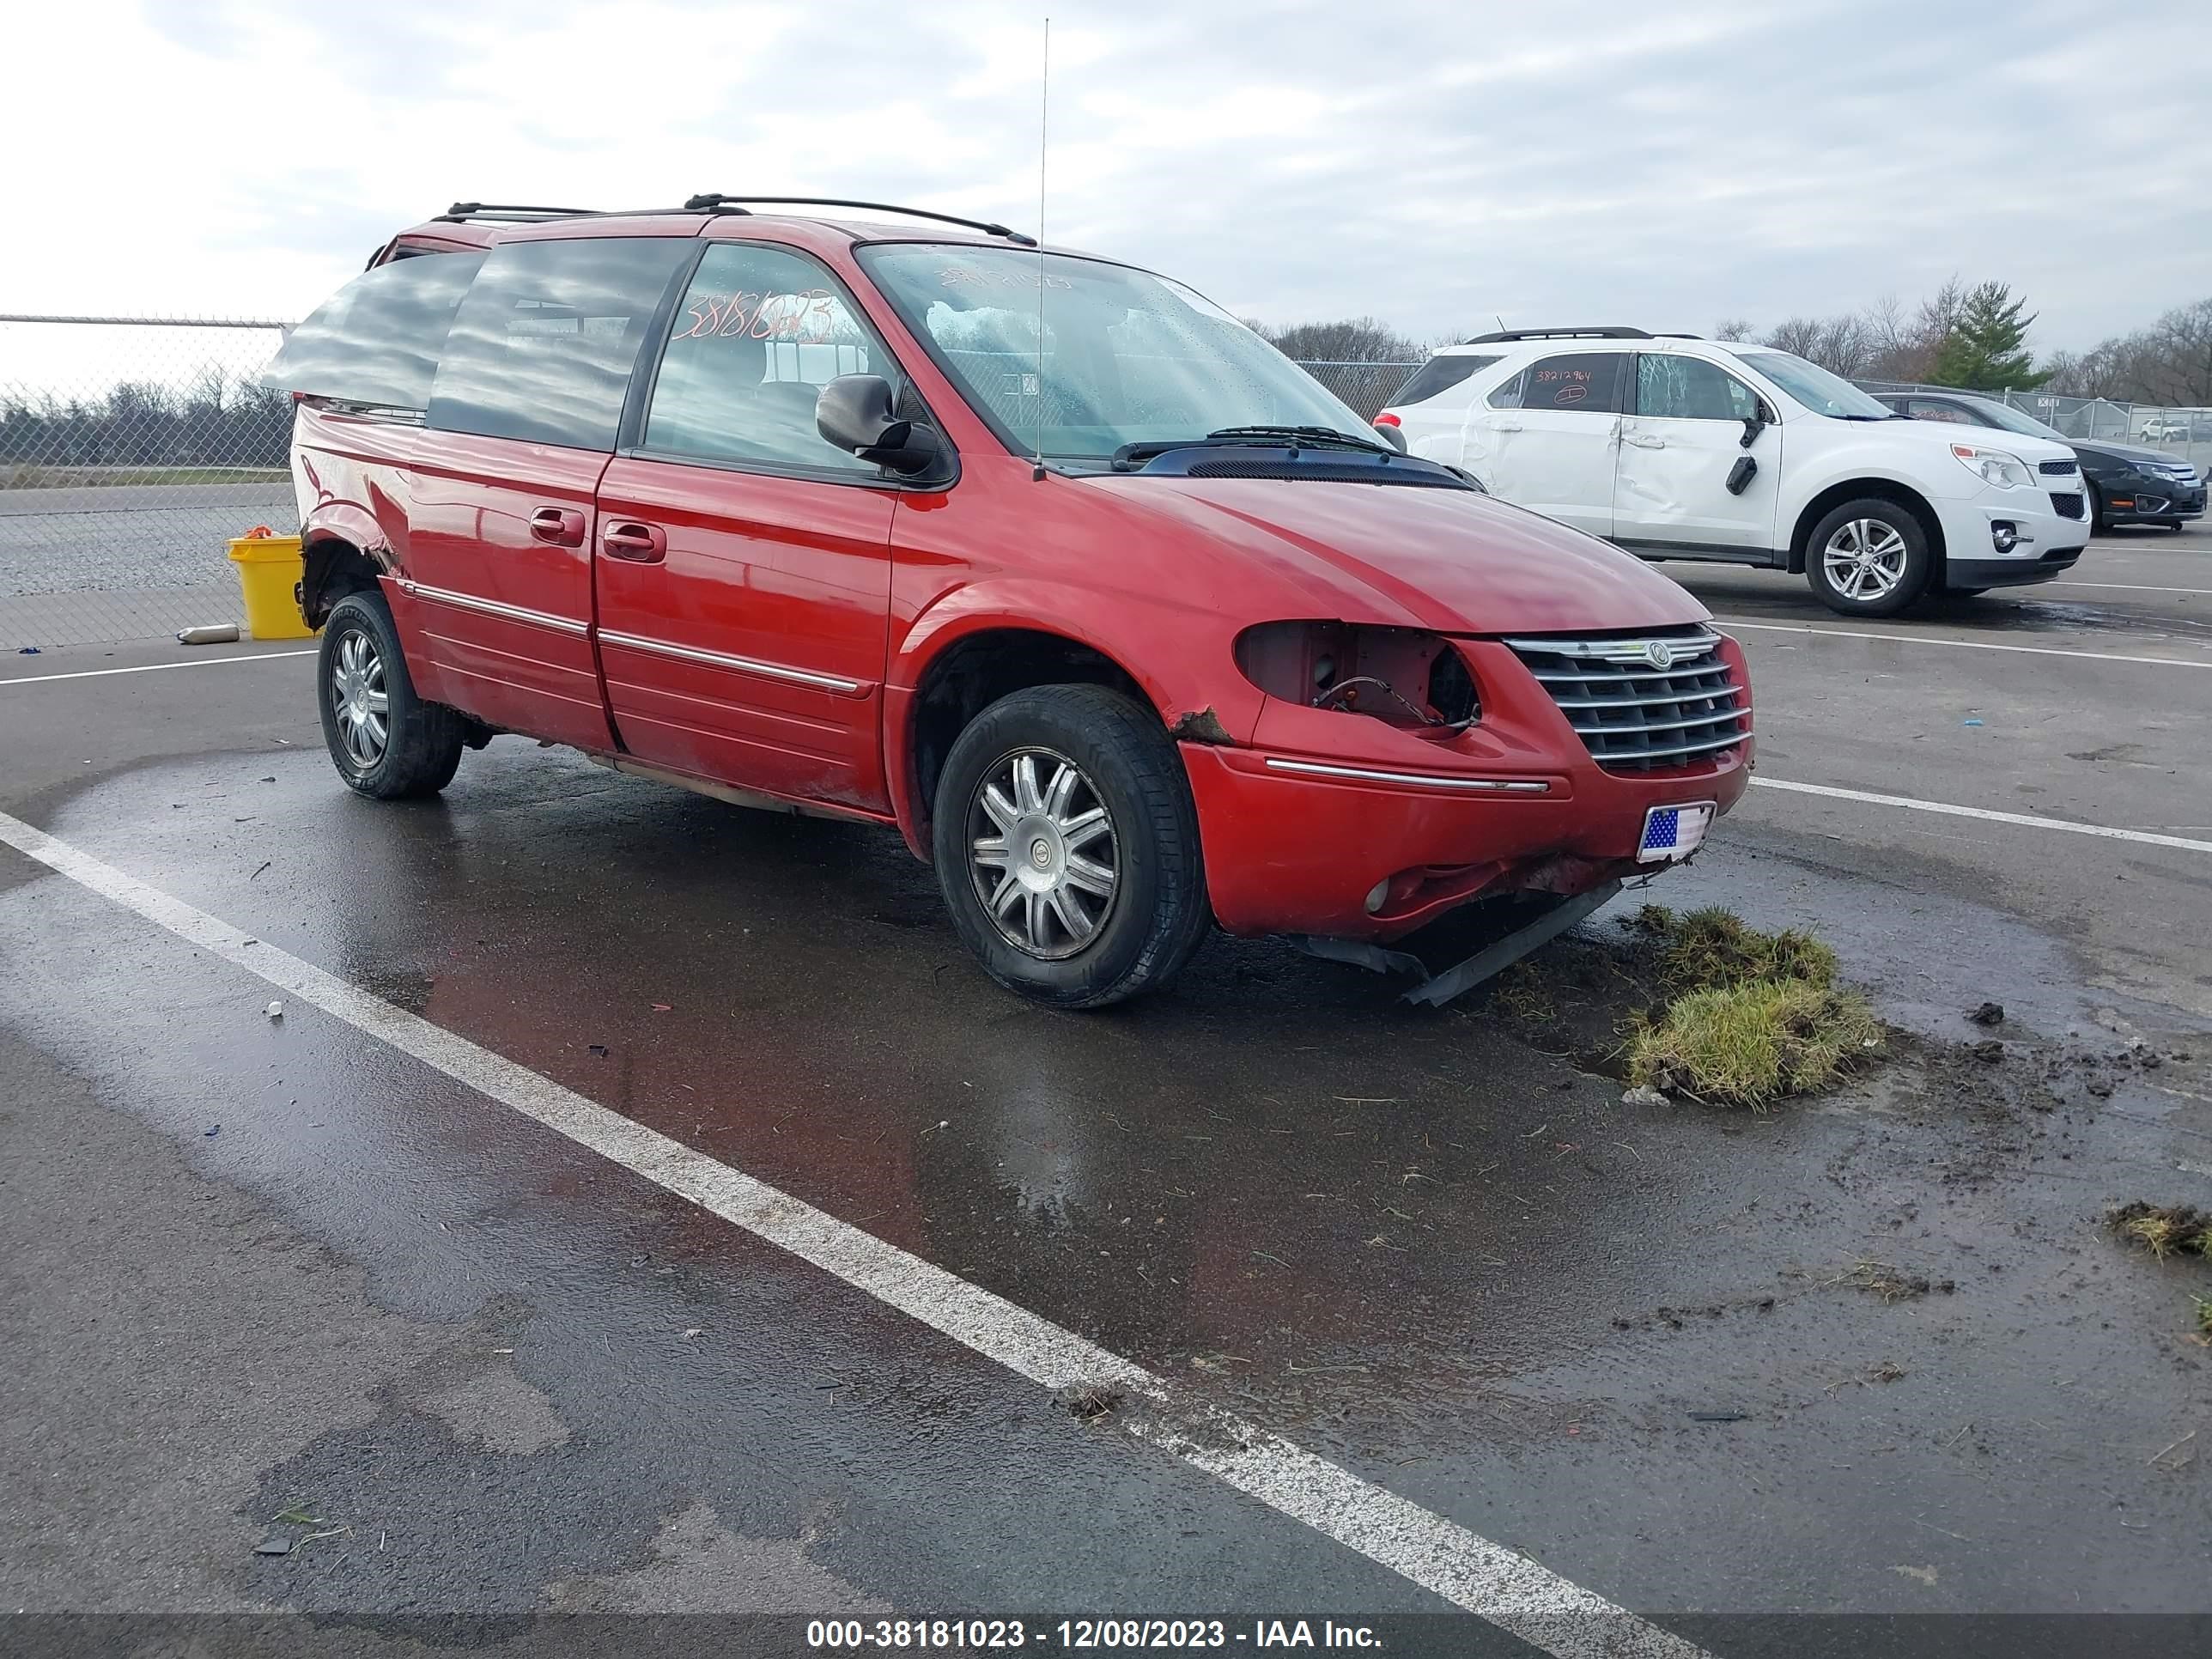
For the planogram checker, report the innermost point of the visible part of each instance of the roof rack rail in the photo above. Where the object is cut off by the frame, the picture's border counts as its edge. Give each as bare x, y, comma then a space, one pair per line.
1678, 337
715, 201
1504, 334
461, 212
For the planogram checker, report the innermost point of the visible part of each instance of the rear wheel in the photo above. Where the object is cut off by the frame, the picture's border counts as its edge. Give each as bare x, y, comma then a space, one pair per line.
386, 741
1066, 846
1869, 558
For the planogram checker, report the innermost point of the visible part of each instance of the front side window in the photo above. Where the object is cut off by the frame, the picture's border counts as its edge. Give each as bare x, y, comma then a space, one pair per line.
376, 341
1583, 381
1670, 387
757, 335
543, 347
1073, 358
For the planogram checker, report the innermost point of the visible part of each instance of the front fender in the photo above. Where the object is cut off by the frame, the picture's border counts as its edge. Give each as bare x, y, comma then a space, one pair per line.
1182, 659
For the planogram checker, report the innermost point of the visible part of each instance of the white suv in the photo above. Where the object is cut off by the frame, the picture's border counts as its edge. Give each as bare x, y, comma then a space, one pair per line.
1676, 447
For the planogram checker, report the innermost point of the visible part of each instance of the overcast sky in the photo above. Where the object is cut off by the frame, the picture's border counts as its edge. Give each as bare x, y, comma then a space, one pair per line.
1436, 166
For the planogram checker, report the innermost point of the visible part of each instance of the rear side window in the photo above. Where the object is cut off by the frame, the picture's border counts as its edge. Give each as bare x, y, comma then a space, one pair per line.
758, 334
1925, 408
542, 348
377, 340
1439, 375
1584, 380
1690, 389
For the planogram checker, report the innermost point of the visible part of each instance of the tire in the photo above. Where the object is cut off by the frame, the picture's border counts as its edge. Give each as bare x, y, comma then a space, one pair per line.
361, 660
2099, 524
1901, 565
1058, 939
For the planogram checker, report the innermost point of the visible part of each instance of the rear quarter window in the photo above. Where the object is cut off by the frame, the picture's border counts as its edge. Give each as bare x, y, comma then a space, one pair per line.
1439, 375
543, 347
378, 340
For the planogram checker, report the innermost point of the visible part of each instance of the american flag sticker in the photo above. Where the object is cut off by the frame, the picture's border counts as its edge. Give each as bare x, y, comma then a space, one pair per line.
1673, 832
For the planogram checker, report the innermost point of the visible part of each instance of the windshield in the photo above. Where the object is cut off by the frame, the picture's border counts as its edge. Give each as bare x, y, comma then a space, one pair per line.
2012, 420
1127, 358
1814, 387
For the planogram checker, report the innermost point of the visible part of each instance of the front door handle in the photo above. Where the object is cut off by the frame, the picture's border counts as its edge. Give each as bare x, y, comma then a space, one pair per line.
563, 527
640, 544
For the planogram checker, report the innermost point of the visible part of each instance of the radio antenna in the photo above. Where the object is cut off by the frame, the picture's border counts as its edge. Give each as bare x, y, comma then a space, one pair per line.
1044, 128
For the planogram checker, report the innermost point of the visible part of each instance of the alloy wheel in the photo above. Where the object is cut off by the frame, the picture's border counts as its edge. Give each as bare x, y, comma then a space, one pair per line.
1043, 853
1865, 559
360, 699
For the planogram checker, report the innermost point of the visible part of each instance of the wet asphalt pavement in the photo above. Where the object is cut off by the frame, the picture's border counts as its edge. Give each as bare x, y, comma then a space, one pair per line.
256, 1264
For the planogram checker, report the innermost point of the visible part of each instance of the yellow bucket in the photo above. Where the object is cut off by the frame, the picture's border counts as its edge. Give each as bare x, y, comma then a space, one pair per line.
268, 568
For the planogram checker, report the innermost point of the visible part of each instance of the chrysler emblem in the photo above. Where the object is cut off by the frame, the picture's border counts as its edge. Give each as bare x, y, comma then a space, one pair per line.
1659, 653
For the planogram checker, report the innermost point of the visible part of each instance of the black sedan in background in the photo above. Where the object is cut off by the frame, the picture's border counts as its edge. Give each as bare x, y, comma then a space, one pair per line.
2126, 483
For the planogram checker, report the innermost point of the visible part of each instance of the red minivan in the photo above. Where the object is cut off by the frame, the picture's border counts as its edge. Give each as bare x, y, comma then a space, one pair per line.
1125, 623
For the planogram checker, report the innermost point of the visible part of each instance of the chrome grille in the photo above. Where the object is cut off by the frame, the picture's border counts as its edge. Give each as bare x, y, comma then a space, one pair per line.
2057, 468
1643, 701
2068, 507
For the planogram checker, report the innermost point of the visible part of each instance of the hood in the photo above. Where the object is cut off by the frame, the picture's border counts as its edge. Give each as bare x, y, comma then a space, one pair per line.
2128, 454
1453, 561
2026, 445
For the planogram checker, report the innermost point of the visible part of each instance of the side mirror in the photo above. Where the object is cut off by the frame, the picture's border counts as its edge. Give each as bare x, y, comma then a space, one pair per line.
854, 412
1392, 436
1757, 421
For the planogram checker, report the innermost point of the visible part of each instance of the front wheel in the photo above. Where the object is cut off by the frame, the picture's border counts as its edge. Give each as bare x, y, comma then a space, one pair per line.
2099, 524
1869, 558
1066, 846
387, 742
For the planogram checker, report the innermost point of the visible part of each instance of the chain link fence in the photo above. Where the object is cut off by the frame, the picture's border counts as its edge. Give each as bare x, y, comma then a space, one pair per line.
132, 449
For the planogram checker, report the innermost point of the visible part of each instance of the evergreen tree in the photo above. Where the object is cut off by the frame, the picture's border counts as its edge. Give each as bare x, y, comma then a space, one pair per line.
1986, 349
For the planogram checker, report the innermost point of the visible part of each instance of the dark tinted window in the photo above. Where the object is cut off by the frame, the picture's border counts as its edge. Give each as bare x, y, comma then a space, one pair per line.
542, 348
758, 334
1927, 409
1690, 389
1587, 381
1440, 374
377, 340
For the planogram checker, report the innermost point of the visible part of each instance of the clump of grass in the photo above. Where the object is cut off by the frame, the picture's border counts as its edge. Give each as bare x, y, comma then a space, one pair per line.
2164, 1230
1713, 947
1752, 1044
2203, 1316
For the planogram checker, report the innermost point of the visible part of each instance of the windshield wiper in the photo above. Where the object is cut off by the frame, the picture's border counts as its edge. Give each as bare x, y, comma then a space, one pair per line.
1131, 456
1318, 437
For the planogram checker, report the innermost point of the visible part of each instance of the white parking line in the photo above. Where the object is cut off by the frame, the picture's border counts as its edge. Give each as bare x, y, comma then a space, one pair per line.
1963, 645
1485, 1578
2145, 836
2133, 587
154, 667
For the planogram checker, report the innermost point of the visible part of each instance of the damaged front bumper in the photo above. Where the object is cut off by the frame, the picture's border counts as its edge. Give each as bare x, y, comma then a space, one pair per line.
1433, 986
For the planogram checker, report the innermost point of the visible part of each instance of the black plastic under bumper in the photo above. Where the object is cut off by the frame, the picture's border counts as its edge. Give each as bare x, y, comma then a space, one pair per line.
2008, 573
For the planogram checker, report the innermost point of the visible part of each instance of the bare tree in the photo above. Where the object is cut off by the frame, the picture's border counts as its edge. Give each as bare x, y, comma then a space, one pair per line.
1732, 328
1355, 340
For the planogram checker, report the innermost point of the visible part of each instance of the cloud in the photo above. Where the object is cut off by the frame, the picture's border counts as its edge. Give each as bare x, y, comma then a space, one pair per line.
1436, 165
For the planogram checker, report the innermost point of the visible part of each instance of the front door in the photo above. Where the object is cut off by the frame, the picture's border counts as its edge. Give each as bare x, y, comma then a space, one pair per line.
742, 564
497, 581
1680, 445
1546, 438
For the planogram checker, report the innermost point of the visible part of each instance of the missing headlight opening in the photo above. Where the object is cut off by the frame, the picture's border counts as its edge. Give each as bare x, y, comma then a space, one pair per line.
1400, 675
